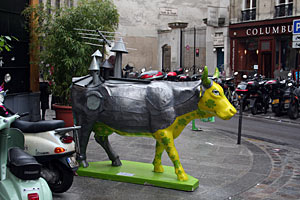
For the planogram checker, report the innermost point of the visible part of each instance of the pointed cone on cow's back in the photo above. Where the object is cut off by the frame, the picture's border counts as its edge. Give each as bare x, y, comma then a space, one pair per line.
94, 66
206, 82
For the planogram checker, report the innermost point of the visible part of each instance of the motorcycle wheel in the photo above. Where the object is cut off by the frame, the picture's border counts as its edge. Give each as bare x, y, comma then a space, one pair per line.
254, 109
64, 180
293, 111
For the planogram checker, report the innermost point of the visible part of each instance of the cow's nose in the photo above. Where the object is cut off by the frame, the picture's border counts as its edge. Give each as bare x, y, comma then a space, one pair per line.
232, 110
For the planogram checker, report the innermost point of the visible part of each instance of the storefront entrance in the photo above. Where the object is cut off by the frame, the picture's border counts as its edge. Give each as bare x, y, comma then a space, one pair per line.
266, 64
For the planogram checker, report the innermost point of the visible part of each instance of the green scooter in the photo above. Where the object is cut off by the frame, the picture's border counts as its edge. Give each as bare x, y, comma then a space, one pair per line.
19, 172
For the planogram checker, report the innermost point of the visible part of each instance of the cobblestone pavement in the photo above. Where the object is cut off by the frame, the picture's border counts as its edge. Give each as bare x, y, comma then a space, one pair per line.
283, 182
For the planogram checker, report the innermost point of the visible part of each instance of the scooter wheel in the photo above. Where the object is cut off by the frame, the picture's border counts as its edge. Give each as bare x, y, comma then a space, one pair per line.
64, 180
293, 111
254, 109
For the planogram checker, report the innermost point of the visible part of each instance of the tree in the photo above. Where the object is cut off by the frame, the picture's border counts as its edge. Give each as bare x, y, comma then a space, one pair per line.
63, 53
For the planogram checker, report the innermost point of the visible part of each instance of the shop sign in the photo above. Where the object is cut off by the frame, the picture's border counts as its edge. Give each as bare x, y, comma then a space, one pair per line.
269, 30
296, 26
296, 33
168, 11
296, 44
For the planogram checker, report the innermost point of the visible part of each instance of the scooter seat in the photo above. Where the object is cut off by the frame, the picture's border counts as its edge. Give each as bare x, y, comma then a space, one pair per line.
36, 127
23, 165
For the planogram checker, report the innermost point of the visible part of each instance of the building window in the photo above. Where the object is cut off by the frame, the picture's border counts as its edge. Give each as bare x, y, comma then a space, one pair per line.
249, 10
283, 8
57, 4
69, 3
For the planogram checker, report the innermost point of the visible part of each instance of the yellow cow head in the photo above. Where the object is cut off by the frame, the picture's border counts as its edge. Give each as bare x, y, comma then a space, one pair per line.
213, 99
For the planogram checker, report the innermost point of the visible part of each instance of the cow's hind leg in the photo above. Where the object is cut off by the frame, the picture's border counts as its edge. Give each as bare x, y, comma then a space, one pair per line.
103, 141
159, 149
165, 137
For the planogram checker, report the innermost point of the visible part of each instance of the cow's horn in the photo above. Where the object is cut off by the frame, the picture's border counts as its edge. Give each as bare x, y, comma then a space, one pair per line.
217, 73
206, 82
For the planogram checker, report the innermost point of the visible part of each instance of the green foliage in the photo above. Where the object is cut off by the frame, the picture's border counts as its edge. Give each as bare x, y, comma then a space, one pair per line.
4, 42
64, 54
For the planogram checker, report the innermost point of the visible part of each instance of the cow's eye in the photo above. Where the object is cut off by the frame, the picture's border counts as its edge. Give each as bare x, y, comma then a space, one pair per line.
216, 92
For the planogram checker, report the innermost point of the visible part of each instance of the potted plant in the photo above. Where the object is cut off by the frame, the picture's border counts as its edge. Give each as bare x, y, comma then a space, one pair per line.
63, 53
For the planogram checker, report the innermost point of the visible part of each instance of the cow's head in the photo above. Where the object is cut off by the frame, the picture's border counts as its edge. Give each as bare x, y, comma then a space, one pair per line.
213, 99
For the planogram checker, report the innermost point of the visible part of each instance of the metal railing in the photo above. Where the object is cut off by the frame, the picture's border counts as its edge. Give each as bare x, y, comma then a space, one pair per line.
249, 14
284, 10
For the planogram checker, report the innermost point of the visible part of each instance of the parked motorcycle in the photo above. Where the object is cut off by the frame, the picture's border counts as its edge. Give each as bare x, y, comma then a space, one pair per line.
174, 76
228, 85
129, 73
258, 95
52, 146
184, 77
151, 75
276, 90
291, 98
20, 177
243, 92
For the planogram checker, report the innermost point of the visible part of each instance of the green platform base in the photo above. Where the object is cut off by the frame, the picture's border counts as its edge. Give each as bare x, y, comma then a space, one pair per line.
138, 173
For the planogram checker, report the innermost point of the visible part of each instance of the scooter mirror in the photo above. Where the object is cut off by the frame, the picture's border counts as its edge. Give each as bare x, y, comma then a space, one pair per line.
7, 78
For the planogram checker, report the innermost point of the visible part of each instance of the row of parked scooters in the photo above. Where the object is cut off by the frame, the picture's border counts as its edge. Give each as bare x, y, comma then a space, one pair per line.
179, 74
36, 158
259, 94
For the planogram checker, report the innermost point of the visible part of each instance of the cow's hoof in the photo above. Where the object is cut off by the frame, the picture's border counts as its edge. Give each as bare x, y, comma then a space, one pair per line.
116, 162
159, 169
84, 163
182, 177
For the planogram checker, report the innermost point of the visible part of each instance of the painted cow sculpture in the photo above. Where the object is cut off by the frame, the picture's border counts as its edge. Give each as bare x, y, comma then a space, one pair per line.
159, 109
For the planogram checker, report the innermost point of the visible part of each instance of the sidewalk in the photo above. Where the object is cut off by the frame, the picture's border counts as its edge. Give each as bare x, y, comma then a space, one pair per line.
253, 170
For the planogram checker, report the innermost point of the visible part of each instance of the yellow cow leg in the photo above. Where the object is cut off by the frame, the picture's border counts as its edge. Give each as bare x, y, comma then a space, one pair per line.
159, 149
165, 137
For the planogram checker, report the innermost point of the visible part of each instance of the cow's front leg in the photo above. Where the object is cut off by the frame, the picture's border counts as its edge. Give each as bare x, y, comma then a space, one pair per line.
159, 149
165, 137
103, 141
84, 135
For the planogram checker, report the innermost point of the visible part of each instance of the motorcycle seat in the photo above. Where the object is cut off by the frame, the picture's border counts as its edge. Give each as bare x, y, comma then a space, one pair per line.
23, 165
37, 127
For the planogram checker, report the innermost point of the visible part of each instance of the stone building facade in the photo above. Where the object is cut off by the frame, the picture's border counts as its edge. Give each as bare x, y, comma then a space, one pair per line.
154, 44
150, 28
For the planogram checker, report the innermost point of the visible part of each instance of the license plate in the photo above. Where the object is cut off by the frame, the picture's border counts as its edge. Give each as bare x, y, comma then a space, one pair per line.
286, 105
287, 101
72, 162
275, 101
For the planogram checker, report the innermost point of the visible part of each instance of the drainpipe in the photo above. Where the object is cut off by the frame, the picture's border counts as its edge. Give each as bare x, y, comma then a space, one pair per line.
194, 66
181, 48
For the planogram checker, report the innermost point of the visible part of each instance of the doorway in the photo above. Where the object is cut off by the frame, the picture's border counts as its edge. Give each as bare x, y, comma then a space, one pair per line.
267, 64
166, 58
220, 59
